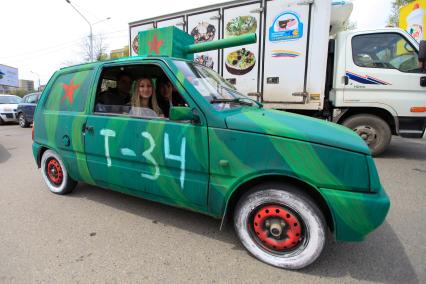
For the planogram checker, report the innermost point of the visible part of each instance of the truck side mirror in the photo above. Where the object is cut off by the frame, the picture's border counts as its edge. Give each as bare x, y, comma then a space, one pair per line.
422, 54
182, 113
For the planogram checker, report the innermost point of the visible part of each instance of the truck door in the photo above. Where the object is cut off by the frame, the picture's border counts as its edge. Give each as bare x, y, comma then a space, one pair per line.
241, 64
205, 27
287, 27
134, 43
382, 69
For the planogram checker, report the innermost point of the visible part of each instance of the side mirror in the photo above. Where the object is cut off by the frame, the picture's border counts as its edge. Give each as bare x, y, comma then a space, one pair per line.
422, 54
182, 113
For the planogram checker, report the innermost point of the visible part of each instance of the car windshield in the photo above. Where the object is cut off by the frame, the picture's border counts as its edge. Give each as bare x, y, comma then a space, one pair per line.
10, 100
213, 87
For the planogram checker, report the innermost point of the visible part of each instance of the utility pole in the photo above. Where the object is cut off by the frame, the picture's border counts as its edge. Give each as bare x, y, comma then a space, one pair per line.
90, 25
91, 28
38, 76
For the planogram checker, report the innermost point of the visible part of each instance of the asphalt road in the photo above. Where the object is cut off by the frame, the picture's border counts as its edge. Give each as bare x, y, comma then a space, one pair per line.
94, 235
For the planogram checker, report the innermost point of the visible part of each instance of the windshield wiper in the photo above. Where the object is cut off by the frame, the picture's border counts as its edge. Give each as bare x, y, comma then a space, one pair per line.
241, 101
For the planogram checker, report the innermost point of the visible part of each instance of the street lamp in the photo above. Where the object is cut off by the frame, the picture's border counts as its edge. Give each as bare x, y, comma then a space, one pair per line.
38, 89
90, 25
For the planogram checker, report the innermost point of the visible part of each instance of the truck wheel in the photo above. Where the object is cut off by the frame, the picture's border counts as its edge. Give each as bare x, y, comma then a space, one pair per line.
280, 226
22, 121
374, 130
55, 174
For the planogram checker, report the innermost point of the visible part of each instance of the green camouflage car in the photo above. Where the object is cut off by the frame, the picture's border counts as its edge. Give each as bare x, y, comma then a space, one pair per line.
285, 179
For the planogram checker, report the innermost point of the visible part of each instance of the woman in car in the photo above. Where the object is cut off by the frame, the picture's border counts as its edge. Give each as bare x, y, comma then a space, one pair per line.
144, 102
167, 96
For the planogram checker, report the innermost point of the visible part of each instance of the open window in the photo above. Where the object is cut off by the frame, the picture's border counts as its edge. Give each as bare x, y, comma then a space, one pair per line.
142, 90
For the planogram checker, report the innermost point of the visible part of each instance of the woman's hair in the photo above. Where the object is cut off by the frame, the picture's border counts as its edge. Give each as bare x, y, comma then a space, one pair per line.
163, 103
136, 100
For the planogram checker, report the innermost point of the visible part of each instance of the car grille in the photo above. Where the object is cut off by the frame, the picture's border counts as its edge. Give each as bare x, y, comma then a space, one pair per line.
9, 115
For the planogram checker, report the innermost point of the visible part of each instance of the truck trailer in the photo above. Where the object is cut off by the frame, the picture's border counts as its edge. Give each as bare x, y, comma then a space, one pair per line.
306, 61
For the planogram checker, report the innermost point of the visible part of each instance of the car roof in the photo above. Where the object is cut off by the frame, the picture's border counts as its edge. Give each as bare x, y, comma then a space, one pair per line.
128, 59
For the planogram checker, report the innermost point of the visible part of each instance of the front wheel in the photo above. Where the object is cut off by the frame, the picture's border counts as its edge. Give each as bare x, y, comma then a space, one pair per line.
55, 174
374, 130
280, 226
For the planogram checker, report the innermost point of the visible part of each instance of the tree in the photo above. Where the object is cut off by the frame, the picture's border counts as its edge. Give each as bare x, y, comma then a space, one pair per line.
99, 48
396, 5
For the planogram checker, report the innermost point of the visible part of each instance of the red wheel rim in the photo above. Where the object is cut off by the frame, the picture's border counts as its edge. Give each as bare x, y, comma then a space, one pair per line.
277, 228
54, 172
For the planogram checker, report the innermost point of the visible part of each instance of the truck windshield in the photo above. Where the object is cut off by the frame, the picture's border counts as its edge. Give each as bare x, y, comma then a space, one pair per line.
213, 87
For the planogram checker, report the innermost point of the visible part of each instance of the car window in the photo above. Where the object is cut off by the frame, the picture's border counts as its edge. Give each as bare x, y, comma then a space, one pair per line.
24, 99
10, 100
118, 88
70, 91
385, 51
32, 99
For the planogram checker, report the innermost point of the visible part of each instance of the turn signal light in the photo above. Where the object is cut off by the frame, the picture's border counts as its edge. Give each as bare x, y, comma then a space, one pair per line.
418, 109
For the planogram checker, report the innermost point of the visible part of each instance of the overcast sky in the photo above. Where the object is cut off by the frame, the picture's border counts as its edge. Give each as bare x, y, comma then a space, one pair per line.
44, 35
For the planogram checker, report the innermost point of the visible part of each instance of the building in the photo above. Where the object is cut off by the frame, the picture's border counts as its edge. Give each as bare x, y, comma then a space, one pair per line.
118, 53
27, 85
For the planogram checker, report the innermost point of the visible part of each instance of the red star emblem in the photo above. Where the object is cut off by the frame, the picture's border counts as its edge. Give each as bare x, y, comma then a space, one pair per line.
155, 44
69, 91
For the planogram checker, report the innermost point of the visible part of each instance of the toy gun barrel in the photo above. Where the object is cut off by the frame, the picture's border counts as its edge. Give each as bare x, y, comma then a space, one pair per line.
223, 43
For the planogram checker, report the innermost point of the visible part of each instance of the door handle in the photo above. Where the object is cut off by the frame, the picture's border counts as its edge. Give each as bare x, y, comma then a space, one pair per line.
423, 81
346, 80
88, 128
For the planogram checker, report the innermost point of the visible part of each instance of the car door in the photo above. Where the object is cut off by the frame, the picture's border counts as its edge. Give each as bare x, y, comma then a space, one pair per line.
151, 157
383, 70
30, 107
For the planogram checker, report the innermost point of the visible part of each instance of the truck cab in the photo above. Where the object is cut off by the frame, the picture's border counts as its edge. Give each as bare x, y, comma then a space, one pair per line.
378, 85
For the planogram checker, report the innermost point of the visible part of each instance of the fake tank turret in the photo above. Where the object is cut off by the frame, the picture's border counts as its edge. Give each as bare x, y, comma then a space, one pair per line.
173, 42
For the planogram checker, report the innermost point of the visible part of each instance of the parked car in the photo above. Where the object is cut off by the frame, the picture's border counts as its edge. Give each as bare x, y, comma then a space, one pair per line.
26, 108
8, 106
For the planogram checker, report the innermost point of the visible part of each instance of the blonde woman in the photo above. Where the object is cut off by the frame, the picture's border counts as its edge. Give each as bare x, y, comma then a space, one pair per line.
144, 101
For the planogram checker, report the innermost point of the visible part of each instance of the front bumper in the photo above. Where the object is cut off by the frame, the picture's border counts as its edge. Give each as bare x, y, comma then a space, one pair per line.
356, 214
9, 116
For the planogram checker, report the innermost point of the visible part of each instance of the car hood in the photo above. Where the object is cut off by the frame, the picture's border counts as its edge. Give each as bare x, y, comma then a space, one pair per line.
8, 107
294, 126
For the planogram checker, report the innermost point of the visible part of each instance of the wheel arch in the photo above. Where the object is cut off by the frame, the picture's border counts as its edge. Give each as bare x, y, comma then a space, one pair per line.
382, 113
308, 189
40, 153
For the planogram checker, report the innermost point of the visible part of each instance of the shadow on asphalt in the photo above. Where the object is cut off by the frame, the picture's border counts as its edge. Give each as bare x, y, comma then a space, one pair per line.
405, 149
4, 154
160, 214
380, 258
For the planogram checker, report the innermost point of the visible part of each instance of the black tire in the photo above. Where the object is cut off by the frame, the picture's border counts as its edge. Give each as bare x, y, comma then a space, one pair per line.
1, 121
23, 121
374, 130
299, 235
55, 174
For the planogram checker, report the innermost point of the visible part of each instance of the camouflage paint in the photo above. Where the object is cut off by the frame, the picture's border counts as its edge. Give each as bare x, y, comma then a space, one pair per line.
199, 166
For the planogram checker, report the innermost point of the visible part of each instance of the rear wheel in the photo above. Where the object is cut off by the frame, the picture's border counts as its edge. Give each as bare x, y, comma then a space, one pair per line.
55, 174
23, 121
374, 130
280, 226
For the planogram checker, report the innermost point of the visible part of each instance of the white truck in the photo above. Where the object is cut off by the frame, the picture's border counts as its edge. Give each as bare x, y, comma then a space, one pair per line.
305, 62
